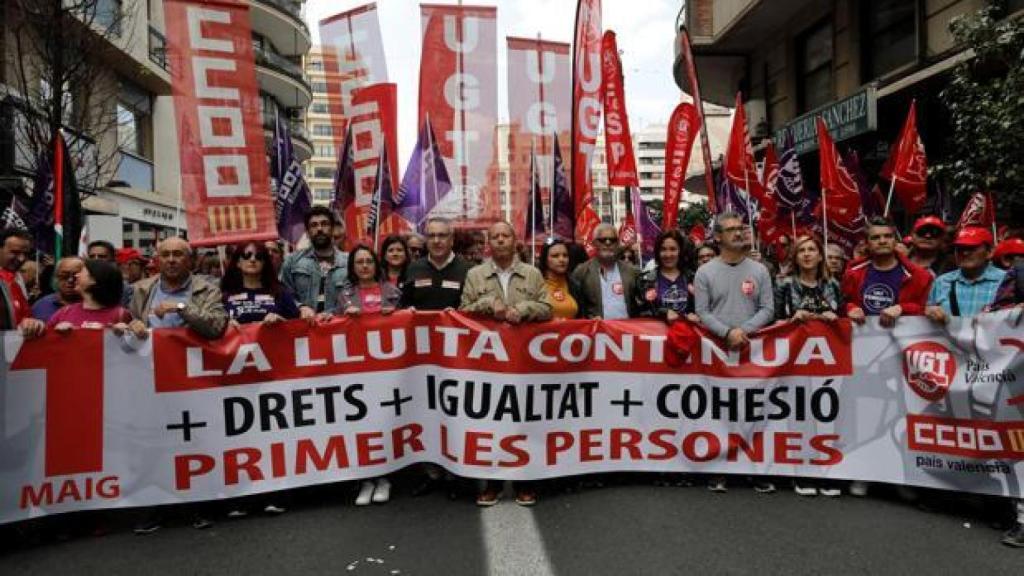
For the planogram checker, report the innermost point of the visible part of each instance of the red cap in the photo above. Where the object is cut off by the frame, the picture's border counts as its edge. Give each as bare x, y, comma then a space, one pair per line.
926, 221
125, 255
973, 236
1009, 247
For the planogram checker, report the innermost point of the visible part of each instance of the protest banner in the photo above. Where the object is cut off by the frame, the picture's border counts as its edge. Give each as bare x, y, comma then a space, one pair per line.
174, 418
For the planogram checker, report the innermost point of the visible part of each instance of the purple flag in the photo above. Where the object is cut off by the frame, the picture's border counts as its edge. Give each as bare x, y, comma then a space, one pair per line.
535, 207
40, 213
292, 198
869, 204
344, 194
729, 198
425, 182
789, 189
383, 201
561, 199
645, 225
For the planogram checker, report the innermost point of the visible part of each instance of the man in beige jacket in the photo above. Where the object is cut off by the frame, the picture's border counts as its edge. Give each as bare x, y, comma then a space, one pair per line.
504, 287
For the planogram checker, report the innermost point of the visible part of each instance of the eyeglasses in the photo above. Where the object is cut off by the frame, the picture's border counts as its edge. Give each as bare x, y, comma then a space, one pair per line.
606, 241
733, 229
249, 255
929, 232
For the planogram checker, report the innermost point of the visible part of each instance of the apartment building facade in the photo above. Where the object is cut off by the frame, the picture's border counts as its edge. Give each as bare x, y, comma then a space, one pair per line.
133, 197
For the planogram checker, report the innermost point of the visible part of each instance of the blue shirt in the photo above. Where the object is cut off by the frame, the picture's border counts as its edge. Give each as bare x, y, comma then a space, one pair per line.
613, 295
170, 320
881, 289
46, 306
971, 295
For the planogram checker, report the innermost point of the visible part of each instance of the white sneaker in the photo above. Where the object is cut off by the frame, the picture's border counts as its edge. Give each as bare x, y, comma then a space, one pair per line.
717, 484
382, 492
830, 492
858, 488
805, 490
365, 493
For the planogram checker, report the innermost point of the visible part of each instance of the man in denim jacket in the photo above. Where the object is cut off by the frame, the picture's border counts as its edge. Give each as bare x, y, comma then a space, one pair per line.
317, 274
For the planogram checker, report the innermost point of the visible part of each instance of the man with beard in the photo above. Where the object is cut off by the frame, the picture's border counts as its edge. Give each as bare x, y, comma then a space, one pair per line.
66, 293
317, 274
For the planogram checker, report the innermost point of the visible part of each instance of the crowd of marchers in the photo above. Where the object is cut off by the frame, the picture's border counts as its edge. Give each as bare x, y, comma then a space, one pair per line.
722, 284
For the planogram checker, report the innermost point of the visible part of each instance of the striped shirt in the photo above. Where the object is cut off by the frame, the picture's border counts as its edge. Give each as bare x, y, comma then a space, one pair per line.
971, 295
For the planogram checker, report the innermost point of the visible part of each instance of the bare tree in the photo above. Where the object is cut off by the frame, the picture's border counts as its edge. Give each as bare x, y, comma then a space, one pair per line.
59, 68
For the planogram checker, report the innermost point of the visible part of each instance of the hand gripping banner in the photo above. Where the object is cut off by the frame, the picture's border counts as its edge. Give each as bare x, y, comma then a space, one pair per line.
224, 180
118, 423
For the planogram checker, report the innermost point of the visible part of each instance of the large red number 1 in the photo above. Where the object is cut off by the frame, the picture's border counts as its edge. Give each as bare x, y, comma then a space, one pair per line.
74, 398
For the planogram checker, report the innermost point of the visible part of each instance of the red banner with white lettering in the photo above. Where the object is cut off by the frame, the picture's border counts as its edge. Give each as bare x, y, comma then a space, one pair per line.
618, 141
224, 174
539, 107
374, 120
586, 113
458, 90
117, 422
682, 131
353, 58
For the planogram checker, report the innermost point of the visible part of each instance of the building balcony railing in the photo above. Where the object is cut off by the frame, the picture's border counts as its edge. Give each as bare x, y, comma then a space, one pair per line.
291, 9
158, 48
274, 61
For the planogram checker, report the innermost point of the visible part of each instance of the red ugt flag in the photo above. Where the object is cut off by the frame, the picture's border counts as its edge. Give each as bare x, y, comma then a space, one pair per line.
908, 166
739, 156
843, 197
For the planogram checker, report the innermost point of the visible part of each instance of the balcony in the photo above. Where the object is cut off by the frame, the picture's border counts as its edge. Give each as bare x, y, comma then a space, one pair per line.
282, 78
158, 48
135, 171
281, 21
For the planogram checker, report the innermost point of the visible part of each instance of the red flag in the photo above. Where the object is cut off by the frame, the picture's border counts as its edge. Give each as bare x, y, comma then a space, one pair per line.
586, 112
843, 196
698, 233
617, 140
980, 211
682, 131
224, 174
907, 165
739, 156
627, 230
685, 50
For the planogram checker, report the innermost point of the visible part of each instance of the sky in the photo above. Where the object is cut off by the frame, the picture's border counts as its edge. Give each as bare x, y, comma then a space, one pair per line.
645, 30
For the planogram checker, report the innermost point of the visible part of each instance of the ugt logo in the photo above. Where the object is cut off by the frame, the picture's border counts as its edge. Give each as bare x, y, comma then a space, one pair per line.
929, 368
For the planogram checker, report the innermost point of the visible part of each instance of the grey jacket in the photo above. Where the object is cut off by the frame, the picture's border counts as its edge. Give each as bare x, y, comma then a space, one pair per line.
203, 313
301, 273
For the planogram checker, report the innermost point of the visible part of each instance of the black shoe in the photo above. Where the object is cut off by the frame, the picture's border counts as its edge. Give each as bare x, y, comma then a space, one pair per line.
147, 527
1015, 536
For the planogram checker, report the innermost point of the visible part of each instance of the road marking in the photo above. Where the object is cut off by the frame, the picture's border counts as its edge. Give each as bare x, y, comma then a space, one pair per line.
513, 543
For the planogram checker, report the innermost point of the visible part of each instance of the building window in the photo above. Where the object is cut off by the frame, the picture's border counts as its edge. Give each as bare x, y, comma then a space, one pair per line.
316, 65
323, 173
319, 87
502, 178
108, 15
325, 150
890, 36
815, 67
134, 109
323, 130
322, 194
319, 108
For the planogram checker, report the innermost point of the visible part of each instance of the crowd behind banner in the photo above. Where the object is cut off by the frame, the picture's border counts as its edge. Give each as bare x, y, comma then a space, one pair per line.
722, 284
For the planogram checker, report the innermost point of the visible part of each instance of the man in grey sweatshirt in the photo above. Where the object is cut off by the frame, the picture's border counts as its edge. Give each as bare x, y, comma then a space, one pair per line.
733, 293
734, 298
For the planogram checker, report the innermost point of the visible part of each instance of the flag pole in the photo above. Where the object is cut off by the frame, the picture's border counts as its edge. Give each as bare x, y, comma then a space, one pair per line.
888, 199
551, 193
750, 214
533, 204
824, 216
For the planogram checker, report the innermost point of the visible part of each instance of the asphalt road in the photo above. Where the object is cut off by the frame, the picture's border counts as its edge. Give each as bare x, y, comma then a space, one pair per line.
629, 528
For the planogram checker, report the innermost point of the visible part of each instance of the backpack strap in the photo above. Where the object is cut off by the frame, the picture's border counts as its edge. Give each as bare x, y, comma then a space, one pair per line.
954, 305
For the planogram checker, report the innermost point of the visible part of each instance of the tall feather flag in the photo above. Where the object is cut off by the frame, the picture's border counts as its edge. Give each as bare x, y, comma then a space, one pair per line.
535, 207
426, 180
55, 214
871, 201
979, 211
907, 167
789, 185
840, 199
292, 198
383, 202
561, 199
646, 227
344, 193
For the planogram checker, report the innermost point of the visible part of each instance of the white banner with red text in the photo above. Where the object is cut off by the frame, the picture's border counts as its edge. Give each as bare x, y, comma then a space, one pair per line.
93, 421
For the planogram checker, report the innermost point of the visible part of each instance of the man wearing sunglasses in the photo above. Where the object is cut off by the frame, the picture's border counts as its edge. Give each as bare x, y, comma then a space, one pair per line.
606, 283
928, 241
417, 246
967, 290
64, 277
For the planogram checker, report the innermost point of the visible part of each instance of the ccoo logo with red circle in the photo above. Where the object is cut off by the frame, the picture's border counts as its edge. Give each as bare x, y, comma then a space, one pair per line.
929, 368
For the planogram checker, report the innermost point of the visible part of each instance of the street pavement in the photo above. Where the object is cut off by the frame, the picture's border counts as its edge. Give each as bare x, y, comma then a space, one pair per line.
629, 528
